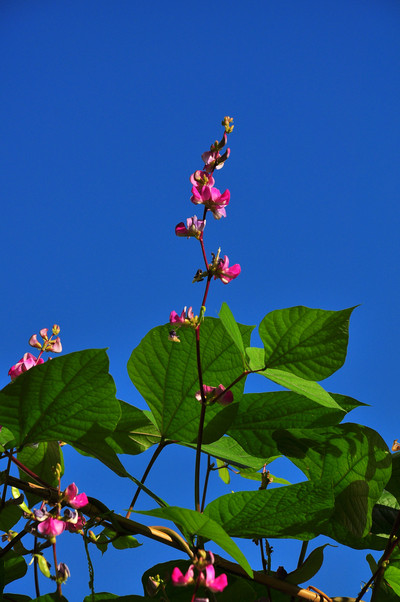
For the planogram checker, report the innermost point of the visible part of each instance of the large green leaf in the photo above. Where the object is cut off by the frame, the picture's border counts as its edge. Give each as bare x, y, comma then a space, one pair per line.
297, 511
311, 343
61, 399
134, 432
196, 523
357, 462
261, 414
166, 375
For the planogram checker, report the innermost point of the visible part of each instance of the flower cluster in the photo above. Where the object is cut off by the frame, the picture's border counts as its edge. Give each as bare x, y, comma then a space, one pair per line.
51, 524
29, 360
203, 565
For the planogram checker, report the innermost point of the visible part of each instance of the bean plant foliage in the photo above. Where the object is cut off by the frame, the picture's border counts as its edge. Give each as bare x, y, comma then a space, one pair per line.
192, 374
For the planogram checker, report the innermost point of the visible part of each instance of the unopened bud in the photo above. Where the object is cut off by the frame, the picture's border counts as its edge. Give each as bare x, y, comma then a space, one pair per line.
63, 572
56, 329
153, 585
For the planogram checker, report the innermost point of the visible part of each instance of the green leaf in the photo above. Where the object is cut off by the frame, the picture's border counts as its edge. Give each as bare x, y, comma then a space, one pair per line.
357, 462
62, 399
309, 568
199, 524
306, 388
14, 567
311, 343
118, 541
134, 432
166, 376
9, 516
384, 513
297, 511
42, 460
223, 472
230, 452
394, 483
6, 438
261, 414
232, 328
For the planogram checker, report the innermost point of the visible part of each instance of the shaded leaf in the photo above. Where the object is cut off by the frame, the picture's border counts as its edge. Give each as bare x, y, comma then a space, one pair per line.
134, 432
309, 568
261, 414
297, 511
15, 567
357, 462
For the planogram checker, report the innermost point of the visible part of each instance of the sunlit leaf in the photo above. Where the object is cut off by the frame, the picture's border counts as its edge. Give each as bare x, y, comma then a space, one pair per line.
311, 343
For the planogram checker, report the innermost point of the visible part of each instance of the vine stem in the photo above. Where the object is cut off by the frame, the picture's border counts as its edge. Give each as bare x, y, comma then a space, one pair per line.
303, 552
59, 592
377, 576
209, 468
35, 569
3, 497
26, 469
201, 421
154, 457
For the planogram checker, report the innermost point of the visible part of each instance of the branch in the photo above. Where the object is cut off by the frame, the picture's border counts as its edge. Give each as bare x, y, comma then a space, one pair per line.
171, 538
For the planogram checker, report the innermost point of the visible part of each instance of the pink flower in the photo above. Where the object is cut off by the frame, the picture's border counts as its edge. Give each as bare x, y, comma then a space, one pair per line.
194, 227
48, 345
212, 392
74, 500
33, 342
212, 199
179, 579
54, 346
226, 273
201, 178
215, 584
51, 527
25, 363
184, 318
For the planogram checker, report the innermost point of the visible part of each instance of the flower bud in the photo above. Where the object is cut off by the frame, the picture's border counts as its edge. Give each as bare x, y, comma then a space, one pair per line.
63, 572
56, 329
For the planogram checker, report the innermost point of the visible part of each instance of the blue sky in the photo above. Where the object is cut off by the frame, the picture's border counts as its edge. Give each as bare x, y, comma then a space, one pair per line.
107, 108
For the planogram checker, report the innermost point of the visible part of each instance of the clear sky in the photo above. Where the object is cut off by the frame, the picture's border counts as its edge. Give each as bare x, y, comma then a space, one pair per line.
106, 109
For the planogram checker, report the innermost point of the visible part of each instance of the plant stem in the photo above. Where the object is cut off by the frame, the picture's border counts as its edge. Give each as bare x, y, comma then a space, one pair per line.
27, 470
202, 417
3, 497
59, 592
35, 569
154, 457
209, 468
377, 576
303, 552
